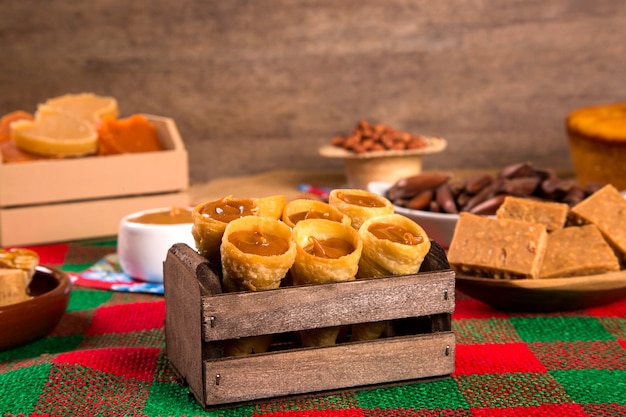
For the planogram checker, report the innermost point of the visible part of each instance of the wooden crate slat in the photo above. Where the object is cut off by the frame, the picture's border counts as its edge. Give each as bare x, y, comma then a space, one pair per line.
183, 316
328, 368
296, 308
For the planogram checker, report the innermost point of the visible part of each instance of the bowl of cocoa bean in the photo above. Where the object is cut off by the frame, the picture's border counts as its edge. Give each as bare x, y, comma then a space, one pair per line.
434, 199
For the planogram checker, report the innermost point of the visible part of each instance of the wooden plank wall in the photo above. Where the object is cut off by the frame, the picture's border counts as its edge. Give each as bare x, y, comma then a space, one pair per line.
259, 85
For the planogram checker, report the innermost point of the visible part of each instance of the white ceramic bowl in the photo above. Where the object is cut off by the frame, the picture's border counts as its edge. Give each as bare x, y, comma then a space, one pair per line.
142, 247
438, 226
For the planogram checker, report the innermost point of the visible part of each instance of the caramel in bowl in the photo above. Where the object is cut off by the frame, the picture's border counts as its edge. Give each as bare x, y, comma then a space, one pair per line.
145, 237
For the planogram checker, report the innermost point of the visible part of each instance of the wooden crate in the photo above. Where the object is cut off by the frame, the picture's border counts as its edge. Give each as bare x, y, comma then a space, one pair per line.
78, 198
418, 343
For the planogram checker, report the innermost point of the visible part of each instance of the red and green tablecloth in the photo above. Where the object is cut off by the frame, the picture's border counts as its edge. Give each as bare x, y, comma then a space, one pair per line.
107, 357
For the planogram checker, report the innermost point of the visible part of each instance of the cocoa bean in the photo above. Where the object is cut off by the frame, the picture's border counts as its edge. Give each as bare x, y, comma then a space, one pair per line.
456, 187
484, 194
477, 183
443, 197
400, 202
521, 169
544, 173
555, 188
489, 206
575, 195
421, 201
414, 185
521, 186
395, 193
462, 199
592, 187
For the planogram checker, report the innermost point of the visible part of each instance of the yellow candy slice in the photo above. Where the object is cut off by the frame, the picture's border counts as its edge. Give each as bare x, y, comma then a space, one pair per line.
55, 133
85, 106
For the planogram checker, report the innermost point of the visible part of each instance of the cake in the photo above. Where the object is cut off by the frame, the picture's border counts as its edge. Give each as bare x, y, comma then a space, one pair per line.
576, 251
606, 208
497, 248
13, 288
597, 137
551, 214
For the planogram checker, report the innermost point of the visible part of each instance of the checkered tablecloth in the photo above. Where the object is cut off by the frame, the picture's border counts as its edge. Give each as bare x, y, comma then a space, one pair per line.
107, 357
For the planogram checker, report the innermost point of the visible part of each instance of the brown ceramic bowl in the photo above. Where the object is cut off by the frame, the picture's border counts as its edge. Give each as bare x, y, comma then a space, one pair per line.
29, 320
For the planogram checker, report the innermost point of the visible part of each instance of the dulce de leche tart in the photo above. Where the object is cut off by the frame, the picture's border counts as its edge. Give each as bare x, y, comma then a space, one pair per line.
359, 205
392, 245
303, 209
211, 218
326, 251
256, 254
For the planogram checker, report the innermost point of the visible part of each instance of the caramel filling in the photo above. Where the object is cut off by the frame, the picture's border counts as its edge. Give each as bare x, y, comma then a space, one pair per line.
258, 243
175, 215
332, 248
228, 209
313, 214
395, 234
360, 200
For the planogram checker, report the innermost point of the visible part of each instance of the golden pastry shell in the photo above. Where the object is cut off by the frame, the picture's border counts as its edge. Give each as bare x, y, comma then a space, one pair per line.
384, 257
311, 269
248, 271
304, 205
358, 213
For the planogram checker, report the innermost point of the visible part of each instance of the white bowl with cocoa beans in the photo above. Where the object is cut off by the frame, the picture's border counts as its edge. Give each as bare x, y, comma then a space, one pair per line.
433, 199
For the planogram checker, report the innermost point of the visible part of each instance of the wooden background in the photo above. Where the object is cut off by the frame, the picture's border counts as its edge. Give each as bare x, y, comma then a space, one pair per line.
260, 85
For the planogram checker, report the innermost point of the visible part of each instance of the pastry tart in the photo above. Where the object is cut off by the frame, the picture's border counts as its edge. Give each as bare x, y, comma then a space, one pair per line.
326, 251
256, 254
359, 205
210, 219
392, 245
19, 258
17, 267
303, 209
13, 289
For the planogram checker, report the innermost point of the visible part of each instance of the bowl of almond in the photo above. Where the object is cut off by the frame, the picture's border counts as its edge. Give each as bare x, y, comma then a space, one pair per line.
379, 152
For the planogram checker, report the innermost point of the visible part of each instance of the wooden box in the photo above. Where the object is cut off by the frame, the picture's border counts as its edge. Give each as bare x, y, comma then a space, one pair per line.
67, 199
418, 343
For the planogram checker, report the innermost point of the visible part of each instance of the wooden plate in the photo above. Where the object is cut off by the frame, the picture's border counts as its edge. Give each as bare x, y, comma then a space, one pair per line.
545, 295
